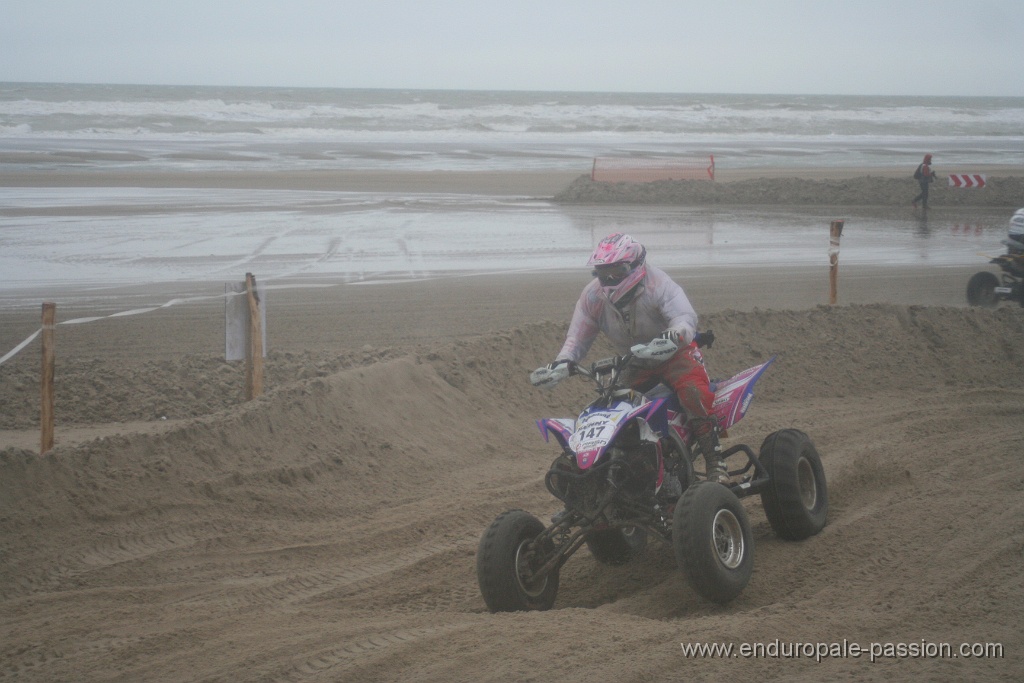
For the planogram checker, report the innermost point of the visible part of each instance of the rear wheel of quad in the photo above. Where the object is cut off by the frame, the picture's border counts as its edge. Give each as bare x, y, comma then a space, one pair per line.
712, 541
616, 546
504, 561
981, 290
796, 498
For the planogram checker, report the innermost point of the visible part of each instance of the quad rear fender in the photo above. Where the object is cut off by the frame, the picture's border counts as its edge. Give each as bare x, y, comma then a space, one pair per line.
733, 396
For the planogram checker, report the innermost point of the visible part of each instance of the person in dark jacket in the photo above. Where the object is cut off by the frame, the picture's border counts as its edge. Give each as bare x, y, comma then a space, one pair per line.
925, 176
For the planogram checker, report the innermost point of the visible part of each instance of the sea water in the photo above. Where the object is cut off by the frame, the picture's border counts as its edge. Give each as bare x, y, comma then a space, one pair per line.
177, 127
86, 236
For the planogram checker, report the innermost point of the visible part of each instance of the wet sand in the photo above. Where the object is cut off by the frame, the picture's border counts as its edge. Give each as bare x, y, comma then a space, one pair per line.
325, 315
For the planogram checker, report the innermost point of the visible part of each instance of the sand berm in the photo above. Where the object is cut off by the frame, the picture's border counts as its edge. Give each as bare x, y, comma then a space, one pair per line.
883, 188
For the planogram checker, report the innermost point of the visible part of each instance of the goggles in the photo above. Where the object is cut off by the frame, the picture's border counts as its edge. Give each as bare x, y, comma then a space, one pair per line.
612, 274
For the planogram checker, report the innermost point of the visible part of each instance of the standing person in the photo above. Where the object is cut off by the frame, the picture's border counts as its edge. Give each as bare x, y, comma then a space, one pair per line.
925, 176
632, 302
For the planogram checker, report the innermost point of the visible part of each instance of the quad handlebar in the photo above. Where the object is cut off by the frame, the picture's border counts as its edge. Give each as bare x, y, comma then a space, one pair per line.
548, 376
658, 349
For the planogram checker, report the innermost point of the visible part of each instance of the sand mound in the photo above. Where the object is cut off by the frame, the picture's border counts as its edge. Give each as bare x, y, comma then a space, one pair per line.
92, 389
327, 531
861, 191
909, 343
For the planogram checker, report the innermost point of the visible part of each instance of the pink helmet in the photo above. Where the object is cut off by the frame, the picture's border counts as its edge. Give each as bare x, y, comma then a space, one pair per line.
618, 263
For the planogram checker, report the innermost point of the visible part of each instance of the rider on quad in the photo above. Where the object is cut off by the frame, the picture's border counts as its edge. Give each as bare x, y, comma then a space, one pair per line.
1015, 242
1016, 234
633, 302
988, 289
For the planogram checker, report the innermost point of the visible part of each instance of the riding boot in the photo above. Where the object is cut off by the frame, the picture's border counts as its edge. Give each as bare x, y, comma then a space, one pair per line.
712, 450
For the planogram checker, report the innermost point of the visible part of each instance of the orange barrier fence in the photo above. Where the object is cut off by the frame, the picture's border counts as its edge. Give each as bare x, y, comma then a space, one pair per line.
649, 169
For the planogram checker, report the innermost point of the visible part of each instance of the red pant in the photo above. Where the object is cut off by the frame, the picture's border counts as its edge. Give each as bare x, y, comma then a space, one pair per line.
685, 373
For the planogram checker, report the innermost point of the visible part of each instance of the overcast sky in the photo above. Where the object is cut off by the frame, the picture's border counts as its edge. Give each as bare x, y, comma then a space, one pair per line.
874, 47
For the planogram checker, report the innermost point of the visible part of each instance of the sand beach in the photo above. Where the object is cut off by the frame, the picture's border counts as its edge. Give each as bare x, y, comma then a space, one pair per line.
327, 531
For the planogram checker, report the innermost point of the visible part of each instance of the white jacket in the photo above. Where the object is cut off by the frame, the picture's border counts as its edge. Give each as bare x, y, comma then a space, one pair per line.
660, 305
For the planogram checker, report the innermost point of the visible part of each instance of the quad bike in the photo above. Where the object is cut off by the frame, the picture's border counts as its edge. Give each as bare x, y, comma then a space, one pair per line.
626, 472
986, 290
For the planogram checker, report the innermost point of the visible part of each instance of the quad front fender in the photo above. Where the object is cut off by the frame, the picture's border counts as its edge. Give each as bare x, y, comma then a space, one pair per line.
560, 428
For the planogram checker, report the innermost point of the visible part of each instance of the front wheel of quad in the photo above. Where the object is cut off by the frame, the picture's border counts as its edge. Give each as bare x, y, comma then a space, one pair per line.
981, 290
712, 541
796, 498
616, 546
505, 561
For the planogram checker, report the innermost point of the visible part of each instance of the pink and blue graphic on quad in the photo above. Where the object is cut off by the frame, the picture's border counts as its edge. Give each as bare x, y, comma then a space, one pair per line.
589, 436
661, 412
733, 395
732, 398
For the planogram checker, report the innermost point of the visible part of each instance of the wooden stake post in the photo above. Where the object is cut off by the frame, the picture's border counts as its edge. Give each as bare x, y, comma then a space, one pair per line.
46, 416
254, 347
834, 233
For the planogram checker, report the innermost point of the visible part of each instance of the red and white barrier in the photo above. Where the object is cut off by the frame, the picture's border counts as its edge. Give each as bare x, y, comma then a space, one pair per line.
967, 180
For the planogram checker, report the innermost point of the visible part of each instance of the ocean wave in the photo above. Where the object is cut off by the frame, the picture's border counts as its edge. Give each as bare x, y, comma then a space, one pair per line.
850, 129
849, 117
